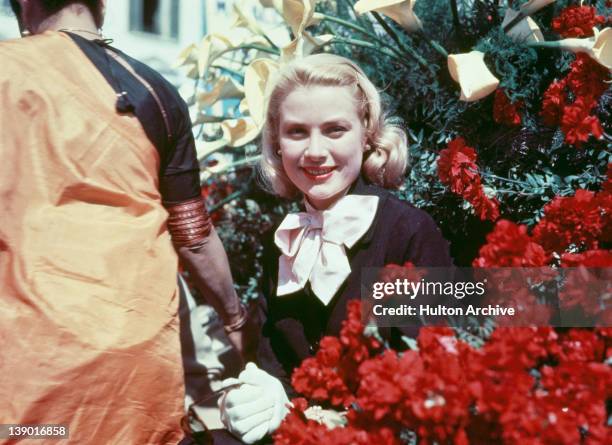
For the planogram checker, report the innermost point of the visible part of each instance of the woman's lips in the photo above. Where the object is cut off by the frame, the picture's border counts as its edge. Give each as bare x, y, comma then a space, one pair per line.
318, 173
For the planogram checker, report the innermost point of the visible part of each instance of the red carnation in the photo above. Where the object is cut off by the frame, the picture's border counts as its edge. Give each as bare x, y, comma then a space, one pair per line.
587, 79
509, 245
590, 258
578, 124
486, 208
554, 101
320, 383
577, 21
570, 220
457, 166
504, 111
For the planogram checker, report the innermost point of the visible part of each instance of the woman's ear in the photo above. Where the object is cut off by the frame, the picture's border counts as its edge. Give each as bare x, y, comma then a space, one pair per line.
365, 144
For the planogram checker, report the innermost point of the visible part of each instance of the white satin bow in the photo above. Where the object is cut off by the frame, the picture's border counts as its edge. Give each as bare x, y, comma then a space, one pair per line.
313, 245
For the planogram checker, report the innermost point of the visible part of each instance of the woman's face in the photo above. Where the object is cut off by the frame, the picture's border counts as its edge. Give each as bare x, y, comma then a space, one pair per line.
321, 139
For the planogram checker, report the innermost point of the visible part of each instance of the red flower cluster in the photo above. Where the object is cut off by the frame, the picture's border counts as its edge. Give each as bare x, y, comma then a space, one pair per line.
457, 169
577, 21
509, 245
584, 220
553, 103
570, 220
587, 82
508, 391
214, 192
504, 111
577, 122
330, 376
590, 258
297, 430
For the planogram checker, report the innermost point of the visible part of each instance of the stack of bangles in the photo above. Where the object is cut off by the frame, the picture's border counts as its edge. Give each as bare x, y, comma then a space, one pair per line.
238, 324
188, 222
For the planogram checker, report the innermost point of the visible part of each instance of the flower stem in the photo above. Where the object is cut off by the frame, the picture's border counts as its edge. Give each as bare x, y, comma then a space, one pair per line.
229, 71
399, 43
501, 178
455, 12
225, 200
434, 44
362, 44
265, 36
364, 31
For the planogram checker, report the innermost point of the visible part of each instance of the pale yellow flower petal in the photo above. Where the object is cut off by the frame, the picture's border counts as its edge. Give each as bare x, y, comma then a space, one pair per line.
186, 56
239, 132
225, 88
257, 84
298, 14
524, 31
598, 47
472, 75
304, 45
211, 47
205, 148
244, 19
243, 108
400, 11
276, 4
602, 48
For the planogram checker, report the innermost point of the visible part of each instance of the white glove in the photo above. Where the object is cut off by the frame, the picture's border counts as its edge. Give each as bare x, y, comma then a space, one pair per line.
256, 408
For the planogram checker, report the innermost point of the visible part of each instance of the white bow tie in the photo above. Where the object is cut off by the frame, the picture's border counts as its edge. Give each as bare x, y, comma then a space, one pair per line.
313, 245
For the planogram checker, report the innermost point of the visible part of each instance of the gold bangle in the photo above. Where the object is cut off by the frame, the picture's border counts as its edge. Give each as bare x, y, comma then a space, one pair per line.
244, 316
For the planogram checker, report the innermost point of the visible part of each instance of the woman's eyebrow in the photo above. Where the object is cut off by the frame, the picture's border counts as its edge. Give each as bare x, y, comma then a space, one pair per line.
339, 120
287, 123
336, 120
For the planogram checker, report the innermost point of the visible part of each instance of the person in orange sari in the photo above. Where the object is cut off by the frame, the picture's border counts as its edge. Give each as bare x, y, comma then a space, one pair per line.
99, 186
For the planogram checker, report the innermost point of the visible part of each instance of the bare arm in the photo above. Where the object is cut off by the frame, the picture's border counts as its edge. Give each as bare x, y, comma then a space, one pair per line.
208, 266
204, 257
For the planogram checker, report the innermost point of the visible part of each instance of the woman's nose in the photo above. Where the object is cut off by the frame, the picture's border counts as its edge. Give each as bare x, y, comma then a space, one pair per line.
316, 147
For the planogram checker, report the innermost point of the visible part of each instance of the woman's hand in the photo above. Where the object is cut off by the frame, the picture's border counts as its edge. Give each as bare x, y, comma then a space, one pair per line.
256, 408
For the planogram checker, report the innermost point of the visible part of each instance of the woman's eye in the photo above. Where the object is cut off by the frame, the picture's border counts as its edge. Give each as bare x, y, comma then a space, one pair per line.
336, 131
296, 132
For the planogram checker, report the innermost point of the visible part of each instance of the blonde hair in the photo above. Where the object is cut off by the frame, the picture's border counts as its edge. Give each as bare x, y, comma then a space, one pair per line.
385, 159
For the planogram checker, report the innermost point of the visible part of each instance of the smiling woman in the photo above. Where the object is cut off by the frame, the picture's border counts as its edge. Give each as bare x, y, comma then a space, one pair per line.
326, 140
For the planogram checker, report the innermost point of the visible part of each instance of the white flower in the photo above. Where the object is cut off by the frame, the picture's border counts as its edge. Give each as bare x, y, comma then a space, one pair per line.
473, 76
258, 81
533, 6
400, 11
525, 31
598, 47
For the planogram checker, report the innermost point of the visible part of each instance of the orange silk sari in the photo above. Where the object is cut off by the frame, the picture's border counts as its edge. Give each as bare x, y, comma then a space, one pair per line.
88, 325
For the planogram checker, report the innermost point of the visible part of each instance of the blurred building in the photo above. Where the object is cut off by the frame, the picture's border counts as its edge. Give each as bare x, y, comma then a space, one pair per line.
155, 31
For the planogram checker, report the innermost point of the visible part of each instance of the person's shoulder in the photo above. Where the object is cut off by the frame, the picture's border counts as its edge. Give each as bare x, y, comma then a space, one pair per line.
157, 80
400, 213
409, 216
20, 50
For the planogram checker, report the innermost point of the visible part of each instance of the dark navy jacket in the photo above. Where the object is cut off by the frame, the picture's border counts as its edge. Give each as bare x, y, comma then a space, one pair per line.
294, 324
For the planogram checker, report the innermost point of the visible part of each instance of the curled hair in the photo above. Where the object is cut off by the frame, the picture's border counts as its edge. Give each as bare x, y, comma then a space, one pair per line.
385, 158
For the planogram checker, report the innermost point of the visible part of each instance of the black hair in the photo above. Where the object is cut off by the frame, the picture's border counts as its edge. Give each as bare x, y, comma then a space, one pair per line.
50, 7
16, 8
